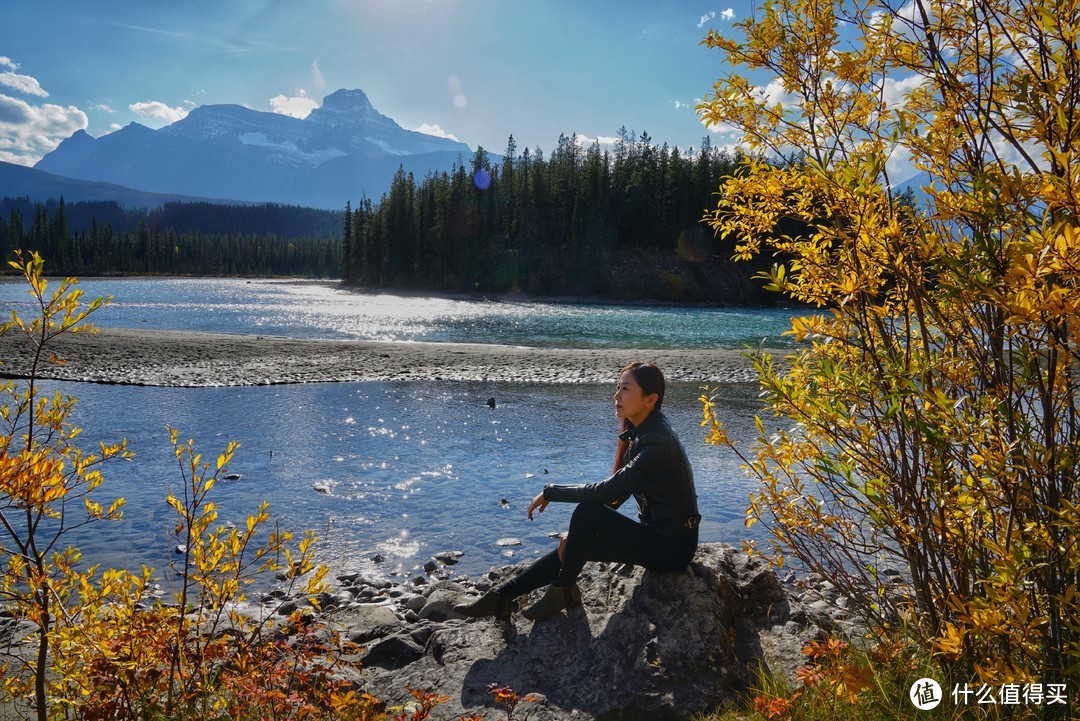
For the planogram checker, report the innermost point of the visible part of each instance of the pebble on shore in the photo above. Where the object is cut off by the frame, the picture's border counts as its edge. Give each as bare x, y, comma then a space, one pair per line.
198, 359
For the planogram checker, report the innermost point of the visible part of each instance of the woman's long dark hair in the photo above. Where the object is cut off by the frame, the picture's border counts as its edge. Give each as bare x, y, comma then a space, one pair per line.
651, 379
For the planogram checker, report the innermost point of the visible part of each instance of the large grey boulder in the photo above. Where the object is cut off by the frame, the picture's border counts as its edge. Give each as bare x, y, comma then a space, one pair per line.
365, 622
643, 645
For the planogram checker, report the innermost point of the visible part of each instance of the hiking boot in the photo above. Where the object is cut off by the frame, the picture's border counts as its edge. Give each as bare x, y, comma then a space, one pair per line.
556, 598
492, 603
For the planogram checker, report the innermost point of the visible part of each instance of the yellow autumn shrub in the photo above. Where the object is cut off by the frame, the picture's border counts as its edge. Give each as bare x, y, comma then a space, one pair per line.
103, 644
929, 418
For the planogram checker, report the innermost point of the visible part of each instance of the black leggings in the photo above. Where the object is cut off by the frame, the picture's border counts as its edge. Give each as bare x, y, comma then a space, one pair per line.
598, 532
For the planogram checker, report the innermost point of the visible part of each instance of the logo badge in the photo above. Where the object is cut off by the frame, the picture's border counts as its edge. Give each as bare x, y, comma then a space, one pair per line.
925, 694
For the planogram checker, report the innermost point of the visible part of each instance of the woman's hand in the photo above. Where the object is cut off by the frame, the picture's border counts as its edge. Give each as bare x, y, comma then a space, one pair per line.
538, 504
562, 549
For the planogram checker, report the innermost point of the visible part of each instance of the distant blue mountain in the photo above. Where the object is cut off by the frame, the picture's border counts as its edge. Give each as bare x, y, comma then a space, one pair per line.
19, 181
916, 183
342, 150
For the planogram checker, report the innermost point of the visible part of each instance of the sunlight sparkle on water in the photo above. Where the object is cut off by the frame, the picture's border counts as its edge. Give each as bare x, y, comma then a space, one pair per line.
319, 309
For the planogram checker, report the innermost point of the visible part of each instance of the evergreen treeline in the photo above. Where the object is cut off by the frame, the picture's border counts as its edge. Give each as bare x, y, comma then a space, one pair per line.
616, 222
178, 238
537, 224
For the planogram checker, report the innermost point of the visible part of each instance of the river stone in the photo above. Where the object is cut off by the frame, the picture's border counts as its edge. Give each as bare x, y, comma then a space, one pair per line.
288, 607
442, 596
446, 590
644, 645
392, 652
366, 622
437, 611
449, 557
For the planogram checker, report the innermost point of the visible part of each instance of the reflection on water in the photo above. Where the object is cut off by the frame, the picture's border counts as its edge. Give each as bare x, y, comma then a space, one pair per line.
403, 470
313, 309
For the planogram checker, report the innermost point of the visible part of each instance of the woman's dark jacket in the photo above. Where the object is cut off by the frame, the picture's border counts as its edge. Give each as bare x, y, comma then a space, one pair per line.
655, 470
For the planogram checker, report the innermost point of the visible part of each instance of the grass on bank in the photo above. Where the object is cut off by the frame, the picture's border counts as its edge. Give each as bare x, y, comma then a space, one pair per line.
843, 682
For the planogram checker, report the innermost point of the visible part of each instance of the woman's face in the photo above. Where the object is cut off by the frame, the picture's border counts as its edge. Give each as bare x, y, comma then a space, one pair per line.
630, 401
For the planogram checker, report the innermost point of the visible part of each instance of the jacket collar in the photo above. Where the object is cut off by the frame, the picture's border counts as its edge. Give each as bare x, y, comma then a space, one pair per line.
650, 420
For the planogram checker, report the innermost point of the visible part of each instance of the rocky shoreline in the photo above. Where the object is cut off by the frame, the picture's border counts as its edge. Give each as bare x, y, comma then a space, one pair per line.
643, 644
197, 359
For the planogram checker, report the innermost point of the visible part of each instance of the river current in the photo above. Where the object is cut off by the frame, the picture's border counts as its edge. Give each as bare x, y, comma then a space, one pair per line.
388, 474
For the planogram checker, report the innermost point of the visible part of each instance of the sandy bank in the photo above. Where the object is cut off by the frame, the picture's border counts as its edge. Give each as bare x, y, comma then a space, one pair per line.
190, 359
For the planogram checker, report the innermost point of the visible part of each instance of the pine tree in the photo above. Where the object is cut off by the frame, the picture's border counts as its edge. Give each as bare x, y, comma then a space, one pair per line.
347, 246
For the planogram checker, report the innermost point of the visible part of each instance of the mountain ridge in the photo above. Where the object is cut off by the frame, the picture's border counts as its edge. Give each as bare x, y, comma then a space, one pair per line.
342, 150
20, 181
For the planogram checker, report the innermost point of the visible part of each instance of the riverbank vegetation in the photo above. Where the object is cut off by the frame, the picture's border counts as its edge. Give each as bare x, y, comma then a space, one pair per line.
103, 645
930, 466
102, 238
852, 682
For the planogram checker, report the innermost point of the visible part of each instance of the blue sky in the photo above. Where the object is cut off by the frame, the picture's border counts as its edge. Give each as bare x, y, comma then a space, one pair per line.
477, 70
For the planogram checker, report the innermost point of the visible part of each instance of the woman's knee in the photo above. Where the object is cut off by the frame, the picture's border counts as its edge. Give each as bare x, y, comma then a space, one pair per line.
588, 511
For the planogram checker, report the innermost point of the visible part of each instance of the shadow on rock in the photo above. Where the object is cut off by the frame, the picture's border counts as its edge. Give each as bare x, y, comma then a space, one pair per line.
643, 645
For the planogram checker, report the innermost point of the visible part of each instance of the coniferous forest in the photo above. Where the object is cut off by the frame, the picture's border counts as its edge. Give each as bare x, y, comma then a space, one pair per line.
178, 238
618, 222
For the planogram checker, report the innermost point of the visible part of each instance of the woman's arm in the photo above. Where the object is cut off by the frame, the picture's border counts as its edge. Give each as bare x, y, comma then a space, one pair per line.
646, 464
538, 504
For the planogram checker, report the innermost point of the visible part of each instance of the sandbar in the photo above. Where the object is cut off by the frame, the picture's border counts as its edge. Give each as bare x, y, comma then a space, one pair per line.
198, 359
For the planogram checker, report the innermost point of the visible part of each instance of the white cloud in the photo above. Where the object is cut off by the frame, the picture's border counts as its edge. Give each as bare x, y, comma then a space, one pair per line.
679, 105
20, 83
725, 131
23, 84
115, 126
434, 129
317, 78
907, 22
299, 106
900, 165
31, 131
584, 140
157, 110
706, 18
728, 14
103, 107
894, 90
775, 93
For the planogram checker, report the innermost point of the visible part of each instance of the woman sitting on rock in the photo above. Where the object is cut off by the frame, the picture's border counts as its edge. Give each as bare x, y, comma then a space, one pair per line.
651, 465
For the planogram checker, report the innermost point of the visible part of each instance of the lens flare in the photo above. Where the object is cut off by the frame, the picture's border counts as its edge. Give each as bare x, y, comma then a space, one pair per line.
694, 244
